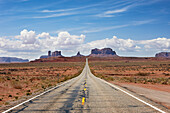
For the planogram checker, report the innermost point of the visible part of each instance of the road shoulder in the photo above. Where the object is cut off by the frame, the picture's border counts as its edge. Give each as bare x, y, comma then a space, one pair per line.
157, 93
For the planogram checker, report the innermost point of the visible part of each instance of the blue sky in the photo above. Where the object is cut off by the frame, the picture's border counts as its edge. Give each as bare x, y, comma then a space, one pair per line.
142, 28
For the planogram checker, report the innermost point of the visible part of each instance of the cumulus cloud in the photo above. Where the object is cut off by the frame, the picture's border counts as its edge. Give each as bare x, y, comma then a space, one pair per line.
44, 35
64, 38
162, 44
28, 37
114, 43
31, 45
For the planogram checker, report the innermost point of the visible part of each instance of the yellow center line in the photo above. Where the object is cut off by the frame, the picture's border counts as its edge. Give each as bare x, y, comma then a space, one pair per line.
84, 89
83, 100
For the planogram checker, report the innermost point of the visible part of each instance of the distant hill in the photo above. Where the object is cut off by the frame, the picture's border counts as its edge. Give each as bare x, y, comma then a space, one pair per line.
105, 52
163, 55
12, 59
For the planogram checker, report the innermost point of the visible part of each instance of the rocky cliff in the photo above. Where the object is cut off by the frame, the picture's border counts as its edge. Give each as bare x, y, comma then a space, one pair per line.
105, 52
163, 55
12, 59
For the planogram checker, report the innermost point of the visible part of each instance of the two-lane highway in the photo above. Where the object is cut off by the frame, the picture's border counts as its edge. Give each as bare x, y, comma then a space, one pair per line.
85, 93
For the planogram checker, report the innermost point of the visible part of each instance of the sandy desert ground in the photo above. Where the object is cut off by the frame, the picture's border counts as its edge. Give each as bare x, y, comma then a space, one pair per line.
20, 80
143, 77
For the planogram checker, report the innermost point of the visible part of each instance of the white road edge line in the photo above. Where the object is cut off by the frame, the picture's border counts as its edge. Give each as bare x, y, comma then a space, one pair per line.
39, 95
131, 95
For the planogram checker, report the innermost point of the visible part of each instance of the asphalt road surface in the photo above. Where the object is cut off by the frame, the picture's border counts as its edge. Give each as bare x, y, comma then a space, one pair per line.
86, 94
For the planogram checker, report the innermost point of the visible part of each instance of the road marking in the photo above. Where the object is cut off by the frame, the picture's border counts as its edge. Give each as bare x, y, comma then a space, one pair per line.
83, 100
40, 94
132, 95
84, 89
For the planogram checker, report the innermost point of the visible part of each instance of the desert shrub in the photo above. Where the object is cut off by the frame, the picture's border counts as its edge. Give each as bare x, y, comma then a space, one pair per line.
28, 93
10, 96
16, 85
16, 97
28, 90
6, 103
166, 74
149, 80
145, 82
142, 74
8, 78
49, 85
43, 86
32, 79
3, 73
13, 69
1, 99
110, 78
42, 78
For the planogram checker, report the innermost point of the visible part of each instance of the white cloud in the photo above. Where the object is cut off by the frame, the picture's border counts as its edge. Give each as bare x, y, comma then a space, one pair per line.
116, 11
29, 45
72, 9
142, 22
131, 4
104, 28
56, 15
114, 43
134, 23
28, 37
44, 35
64, 38
161, 44
110, 13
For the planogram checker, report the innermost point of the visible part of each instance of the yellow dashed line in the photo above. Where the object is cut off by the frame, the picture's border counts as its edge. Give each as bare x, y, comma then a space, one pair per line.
84, 89
83, 100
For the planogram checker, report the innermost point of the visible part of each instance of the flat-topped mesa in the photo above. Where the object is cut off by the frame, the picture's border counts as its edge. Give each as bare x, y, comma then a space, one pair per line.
54, 54
105, 52
163, 55
12, 59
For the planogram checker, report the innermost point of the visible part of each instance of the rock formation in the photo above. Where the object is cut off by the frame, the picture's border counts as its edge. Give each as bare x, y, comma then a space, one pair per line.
12, 59
163, 55
105, 52
49, 53
44, 56
78, 55
54, 54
